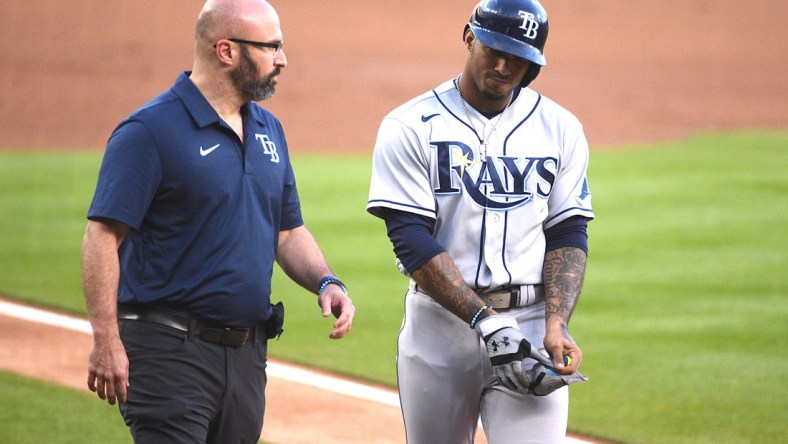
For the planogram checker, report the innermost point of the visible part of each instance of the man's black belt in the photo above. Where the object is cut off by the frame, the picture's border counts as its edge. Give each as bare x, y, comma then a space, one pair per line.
232, 337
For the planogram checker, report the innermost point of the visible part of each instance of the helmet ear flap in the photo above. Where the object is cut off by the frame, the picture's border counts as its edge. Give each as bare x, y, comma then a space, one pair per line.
530, 74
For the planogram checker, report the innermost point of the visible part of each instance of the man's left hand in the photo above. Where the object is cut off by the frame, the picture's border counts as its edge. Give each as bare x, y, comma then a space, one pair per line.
333, 300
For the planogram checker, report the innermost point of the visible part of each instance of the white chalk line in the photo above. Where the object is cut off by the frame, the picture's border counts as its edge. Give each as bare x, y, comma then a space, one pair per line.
275, 369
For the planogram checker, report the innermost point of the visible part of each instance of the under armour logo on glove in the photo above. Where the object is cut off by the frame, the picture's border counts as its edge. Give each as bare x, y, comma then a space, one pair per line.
504, 343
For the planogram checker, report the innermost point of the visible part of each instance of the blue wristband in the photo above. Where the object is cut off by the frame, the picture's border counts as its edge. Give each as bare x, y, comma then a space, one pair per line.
328, 280
476, 316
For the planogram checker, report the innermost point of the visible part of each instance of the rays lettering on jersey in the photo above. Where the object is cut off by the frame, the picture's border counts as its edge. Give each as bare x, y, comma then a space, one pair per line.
501, 183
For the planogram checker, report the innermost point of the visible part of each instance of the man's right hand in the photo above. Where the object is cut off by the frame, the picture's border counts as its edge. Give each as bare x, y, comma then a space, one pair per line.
108, 370
108, 365
507, 348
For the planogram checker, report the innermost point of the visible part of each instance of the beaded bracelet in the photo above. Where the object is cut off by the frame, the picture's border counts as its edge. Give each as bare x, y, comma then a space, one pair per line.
476, 316
328, 280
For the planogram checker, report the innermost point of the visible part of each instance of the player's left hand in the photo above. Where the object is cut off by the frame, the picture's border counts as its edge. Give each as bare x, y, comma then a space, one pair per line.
544, 378
333, 300
566, 355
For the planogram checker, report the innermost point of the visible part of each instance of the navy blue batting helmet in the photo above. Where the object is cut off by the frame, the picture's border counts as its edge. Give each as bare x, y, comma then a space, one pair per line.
517, 27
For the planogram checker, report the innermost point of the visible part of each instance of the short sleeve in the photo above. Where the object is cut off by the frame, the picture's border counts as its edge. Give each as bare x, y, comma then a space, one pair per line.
571, 195
291, 205
400, 172
129, 176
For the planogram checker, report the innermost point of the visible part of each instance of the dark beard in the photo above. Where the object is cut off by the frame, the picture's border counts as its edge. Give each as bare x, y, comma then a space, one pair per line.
493, 97
248, 84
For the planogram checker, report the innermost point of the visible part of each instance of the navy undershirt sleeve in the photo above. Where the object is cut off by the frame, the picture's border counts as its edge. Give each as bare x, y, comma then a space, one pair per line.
411, 235
571, 232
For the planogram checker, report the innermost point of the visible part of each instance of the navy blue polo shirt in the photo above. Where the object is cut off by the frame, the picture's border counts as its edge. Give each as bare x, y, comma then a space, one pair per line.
205, 208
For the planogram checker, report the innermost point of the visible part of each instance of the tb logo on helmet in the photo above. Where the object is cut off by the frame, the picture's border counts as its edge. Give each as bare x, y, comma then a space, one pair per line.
530, 24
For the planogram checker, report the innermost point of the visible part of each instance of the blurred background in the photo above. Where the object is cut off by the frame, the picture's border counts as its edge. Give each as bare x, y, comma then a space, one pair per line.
632, 71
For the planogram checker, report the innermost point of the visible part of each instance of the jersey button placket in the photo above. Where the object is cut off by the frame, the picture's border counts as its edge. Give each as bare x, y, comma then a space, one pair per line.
493, 243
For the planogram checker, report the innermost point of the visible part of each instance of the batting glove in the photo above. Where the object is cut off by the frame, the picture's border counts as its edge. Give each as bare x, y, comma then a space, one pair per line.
545, 380
507, 348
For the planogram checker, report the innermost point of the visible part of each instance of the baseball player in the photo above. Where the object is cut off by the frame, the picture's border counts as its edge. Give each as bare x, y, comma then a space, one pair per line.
482, 186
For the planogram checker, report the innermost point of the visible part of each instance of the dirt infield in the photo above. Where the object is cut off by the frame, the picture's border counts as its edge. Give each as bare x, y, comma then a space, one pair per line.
632, 71
296, 413
304, 406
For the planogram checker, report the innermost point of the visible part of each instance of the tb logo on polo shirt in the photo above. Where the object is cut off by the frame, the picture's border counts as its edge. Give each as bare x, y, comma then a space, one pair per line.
269, 147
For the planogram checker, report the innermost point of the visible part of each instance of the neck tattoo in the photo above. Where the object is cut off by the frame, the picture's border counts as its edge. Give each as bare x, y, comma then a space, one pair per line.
483, 139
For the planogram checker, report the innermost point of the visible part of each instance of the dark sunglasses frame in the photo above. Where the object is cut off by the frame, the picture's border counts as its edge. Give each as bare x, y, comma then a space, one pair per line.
275, 46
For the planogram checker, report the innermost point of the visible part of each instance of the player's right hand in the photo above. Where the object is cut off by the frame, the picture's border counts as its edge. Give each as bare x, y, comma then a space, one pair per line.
507, 348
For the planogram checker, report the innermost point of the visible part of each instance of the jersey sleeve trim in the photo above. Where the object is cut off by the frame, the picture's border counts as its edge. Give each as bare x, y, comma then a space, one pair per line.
375, 206
567, 213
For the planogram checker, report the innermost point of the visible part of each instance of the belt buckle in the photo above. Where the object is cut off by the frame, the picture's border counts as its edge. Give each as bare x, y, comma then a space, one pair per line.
235, 338
505, 298
516, 296
225, 336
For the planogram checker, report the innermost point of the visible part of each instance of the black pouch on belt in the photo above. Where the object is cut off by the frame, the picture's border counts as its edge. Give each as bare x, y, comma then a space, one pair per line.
274, 324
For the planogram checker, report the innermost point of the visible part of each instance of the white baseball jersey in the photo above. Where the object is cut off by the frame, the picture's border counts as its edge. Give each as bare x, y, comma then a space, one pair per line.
493, 185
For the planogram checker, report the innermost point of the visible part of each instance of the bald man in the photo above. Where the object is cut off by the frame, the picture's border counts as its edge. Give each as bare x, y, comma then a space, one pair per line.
195, 201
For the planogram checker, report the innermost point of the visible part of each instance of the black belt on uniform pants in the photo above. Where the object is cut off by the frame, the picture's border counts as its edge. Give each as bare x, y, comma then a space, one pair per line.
511, 297
232, 337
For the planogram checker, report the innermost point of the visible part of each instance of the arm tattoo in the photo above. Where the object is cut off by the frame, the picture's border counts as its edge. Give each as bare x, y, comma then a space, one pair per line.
564, 269
442, 281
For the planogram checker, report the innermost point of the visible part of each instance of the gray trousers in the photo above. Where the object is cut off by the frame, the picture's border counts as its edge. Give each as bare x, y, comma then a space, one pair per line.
446, 384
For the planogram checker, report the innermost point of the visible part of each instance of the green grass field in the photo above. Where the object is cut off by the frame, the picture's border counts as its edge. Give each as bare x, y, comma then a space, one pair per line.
683, 317
37, 412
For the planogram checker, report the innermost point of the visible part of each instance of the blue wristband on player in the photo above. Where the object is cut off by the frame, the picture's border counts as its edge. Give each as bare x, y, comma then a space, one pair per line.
475, 319
328, 280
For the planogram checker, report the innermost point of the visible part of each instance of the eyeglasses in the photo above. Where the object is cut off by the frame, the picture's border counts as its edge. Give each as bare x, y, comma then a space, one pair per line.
275, 46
